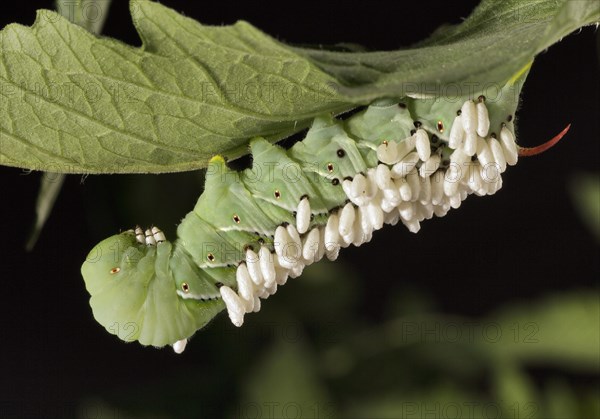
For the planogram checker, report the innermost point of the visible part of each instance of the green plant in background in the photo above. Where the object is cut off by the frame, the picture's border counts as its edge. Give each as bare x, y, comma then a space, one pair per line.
158, 80
585, 189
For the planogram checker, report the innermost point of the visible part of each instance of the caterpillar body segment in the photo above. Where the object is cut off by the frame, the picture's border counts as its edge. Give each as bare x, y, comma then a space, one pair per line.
134, 291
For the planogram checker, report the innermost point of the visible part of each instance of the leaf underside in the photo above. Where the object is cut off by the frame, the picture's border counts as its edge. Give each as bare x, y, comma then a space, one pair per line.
76, 103
51, 183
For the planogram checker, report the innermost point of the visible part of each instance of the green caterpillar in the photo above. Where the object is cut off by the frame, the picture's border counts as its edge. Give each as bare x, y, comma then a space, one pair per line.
398, 160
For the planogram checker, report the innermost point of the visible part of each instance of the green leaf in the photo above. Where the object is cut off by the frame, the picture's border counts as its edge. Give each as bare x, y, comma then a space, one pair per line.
192, 91
497, 40
98, 106
585, 192
443, 400
89, 14
560, 400
562, 330
50, 186
514, 389
285, 384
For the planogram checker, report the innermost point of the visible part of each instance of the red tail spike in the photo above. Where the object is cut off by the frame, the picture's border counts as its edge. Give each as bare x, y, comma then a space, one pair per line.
526, 151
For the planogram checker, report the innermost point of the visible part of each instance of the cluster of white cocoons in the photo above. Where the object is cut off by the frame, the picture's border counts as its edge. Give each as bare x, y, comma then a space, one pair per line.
259, 275
150, 237
410, 184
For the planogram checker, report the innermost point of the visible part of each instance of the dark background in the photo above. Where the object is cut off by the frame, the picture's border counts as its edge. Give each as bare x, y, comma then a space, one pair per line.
525, 242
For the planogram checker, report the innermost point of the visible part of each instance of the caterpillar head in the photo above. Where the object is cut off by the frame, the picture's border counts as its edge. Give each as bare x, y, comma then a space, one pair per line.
133, 289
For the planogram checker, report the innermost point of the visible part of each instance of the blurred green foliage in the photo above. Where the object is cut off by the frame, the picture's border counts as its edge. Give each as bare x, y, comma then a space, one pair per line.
585, 191
319, 360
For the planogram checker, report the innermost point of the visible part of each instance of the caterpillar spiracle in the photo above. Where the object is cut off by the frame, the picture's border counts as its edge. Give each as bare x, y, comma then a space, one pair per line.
402, 160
